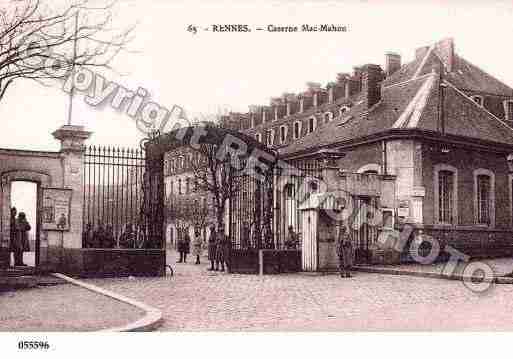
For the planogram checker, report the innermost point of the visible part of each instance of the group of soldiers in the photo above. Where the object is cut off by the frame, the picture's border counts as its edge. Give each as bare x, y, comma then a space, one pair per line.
219, 246
103, 237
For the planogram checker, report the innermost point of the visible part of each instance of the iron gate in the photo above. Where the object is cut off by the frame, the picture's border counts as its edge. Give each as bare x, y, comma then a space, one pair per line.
121, 206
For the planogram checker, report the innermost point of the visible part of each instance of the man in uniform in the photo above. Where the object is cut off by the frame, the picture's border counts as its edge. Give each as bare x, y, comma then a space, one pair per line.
345, 252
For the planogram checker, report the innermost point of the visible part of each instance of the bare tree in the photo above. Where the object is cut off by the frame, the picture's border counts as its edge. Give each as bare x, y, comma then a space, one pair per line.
185, 211
220, 178
40, 40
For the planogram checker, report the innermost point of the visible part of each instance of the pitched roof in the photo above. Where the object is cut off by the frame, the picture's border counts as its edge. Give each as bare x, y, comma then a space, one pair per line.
411, 100
354, 124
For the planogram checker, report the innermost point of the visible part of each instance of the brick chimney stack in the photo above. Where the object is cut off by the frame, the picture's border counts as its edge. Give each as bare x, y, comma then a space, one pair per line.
372, 75
445, 49
392, 63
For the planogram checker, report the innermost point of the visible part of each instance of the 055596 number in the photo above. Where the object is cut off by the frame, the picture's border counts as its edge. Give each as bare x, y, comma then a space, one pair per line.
33, 345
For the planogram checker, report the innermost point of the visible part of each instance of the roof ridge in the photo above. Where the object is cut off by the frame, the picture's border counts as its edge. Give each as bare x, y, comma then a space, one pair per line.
416, 105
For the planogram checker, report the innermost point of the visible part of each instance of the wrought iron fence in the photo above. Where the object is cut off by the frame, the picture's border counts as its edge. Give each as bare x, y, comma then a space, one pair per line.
113, 198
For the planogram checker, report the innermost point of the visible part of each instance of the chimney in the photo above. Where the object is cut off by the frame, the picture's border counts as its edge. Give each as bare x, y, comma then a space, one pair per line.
314, 88
392, 63
421, 52
445, 49
372, 75
342, 87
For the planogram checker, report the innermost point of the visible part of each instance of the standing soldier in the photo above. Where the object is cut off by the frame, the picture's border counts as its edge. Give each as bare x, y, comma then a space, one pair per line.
226, 246
196, 245
21, 243
345, 252
212, 247
220, 249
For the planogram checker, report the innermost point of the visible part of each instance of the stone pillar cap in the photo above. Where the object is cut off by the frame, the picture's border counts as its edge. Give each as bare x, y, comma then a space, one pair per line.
71, 131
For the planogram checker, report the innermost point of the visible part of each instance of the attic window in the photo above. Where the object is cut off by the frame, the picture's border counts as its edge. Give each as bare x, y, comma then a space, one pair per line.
270, 138
328, 116
297, 129
342, 110
508, 110
312, 124
283, 133
478, 99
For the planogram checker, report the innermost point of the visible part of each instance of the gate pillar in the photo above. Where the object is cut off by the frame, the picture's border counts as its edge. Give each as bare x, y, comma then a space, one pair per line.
72, 140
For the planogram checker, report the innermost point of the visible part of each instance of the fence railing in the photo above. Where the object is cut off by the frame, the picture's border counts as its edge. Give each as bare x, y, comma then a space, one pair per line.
113, 196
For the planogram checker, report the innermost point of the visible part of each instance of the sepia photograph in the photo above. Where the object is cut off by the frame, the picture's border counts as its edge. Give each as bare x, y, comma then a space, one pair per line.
303, 169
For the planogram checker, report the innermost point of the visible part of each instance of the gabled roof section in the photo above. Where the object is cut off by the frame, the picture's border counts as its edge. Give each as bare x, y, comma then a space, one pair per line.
467, 76
463, 74
463, 117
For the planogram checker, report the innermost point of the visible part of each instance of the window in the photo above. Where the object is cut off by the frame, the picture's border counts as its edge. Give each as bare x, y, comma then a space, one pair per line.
342, 110
483, 199
258, 137
283, 133
312, 124
508, 109
445, 196
388, 218
270, 138
187, 185
297, 129
328, 116
289, 191
478, 99
179, 186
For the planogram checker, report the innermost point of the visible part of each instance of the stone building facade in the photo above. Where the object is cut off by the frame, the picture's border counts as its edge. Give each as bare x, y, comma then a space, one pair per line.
438, 126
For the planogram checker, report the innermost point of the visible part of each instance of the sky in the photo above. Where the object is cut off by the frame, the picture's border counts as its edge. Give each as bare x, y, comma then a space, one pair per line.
207, 71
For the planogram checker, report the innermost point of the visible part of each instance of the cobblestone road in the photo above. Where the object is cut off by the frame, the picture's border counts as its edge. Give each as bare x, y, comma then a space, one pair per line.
195, 299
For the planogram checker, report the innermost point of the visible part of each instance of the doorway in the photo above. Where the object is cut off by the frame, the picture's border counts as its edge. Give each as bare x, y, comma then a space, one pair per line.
24, 197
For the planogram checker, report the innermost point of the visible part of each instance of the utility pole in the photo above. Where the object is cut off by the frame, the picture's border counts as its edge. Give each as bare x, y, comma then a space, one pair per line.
72, 90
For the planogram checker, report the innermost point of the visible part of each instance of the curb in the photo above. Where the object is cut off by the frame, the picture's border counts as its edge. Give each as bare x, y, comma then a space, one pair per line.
498, 280
151, 320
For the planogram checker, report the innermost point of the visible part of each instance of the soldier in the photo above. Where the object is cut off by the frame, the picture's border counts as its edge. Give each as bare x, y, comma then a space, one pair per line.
197, 246
21, 243
345, 252
292, 240
212, 245
221, 249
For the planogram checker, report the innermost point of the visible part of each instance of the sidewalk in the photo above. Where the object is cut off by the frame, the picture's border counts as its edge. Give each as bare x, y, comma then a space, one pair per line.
444, 270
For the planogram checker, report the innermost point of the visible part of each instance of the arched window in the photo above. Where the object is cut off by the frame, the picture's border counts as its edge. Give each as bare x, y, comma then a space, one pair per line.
484, 197
343, 110
270, 138
297, 129
312, 124
446, 194
328, 116
283, 134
